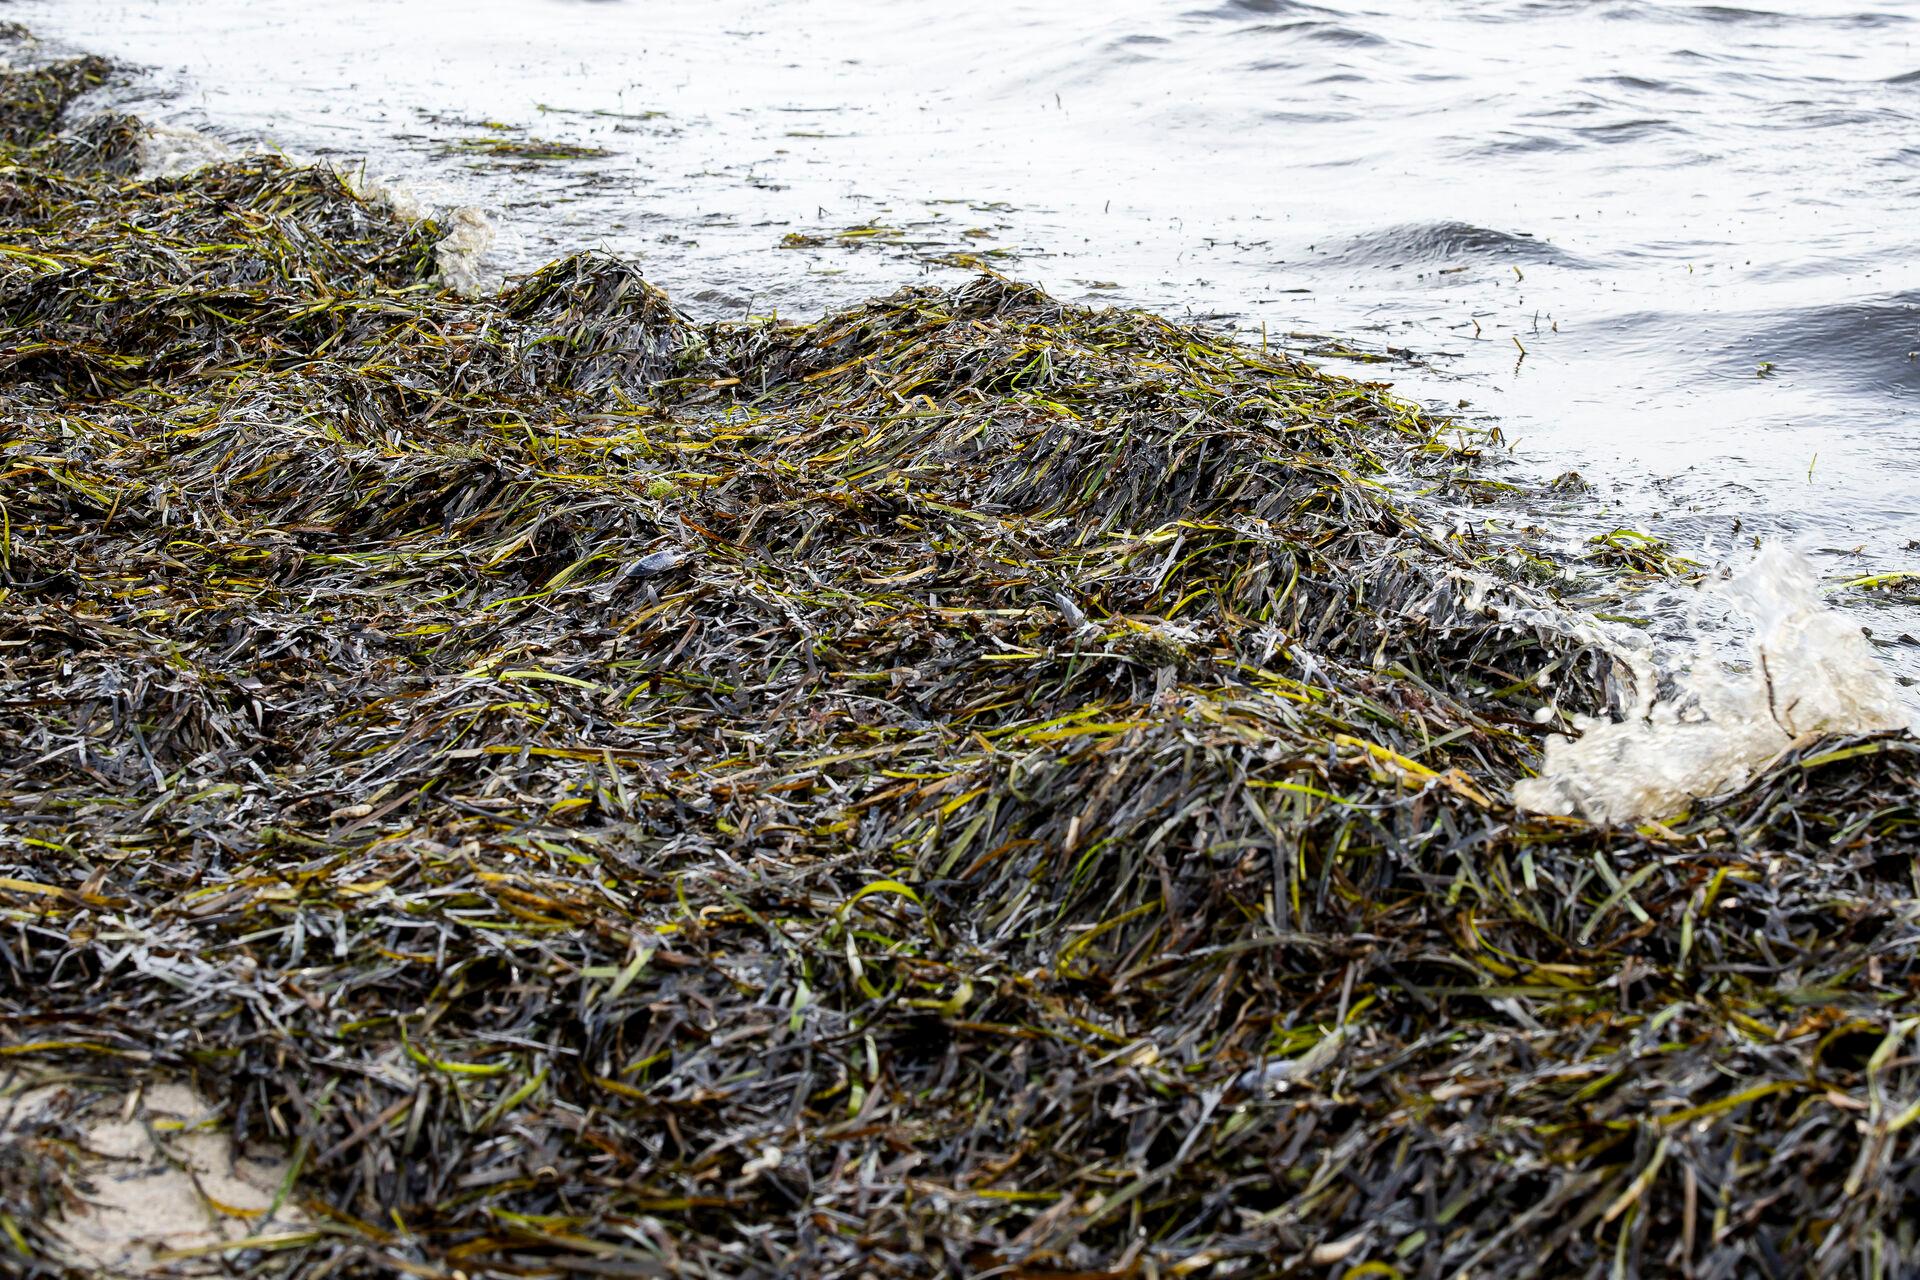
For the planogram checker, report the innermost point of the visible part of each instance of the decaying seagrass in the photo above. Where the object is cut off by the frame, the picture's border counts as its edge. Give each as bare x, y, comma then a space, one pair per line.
969, 785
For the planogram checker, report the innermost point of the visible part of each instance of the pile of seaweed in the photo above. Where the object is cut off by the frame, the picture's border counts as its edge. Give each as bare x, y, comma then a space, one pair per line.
968, 785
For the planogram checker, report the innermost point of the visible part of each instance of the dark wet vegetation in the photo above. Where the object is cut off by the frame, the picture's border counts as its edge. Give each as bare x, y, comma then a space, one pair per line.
968, 785
504, 145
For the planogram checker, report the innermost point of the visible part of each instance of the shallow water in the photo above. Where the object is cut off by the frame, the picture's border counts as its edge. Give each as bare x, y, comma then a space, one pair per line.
1674, 247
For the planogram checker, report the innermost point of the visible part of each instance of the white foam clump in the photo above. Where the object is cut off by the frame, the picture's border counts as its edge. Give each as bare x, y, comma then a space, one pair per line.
167, 151
404, 200
464, 254
1811, 673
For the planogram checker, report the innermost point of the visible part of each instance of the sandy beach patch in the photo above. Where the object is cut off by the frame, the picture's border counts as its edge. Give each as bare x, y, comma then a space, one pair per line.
155, 1180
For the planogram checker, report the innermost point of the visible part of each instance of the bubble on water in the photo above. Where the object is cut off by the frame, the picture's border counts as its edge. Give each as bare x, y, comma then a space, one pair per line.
1810, 672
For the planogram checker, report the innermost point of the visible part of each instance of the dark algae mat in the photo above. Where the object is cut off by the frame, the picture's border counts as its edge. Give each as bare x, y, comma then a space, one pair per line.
969, 785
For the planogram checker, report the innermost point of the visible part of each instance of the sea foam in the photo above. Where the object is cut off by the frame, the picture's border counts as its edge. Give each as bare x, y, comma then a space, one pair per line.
1810, 672
167, 151
465, 254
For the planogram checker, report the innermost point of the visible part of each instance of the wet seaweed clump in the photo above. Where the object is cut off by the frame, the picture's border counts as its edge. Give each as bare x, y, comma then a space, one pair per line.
969, 785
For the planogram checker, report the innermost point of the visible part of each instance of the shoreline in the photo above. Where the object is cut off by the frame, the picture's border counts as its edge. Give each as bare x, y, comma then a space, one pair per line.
1693, 401
968, 782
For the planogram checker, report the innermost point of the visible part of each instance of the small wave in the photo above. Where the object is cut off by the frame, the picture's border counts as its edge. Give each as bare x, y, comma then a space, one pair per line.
1282, 116
1319, 31
1699, 55
1725, 13
1733, 15
1134, 49
1911, 77
1798, 116
1620, 131
1263, 9
1534, 9
1737, 15
1442, 241
1641, 84
1872, 345
1516, 144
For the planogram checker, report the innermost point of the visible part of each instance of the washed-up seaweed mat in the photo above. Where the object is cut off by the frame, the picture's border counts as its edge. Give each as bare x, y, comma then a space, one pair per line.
969, 785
